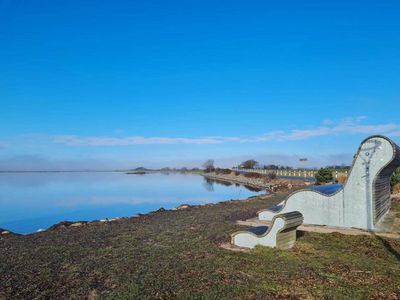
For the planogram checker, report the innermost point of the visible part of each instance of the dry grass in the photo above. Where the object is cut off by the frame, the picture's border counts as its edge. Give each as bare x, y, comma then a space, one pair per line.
396, 189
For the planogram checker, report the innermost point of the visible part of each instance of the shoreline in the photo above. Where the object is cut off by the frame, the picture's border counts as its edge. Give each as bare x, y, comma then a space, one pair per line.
4, 232
270, 187
236, 181
257, 181
82, 223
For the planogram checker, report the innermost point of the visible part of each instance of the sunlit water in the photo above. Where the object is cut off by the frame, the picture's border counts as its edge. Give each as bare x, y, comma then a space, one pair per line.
32, 201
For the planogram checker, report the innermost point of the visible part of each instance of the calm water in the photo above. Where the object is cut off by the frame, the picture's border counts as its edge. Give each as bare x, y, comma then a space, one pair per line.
32, 201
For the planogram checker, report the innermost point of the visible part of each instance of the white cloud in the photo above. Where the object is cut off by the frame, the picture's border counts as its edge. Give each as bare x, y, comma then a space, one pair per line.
341, 128
347, 126
132, 140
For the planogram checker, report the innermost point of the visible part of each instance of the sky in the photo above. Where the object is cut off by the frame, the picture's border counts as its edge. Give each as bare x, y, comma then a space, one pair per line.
122, 84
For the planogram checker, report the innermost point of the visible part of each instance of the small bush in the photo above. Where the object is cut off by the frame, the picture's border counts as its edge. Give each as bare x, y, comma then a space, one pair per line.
324, 175
223, 171
395, 179
253, 175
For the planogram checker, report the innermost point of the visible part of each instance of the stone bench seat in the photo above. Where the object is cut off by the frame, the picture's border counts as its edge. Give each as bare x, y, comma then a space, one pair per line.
281, 234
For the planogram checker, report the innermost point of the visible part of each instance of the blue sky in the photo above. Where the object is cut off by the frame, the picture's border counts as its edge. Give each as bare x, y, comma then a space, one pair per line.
116, 84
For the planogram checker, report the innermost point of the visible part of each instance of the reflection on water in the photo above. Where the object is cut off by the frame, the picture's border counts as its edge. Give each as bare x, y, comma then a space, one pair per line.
29, 201
252, 188
209, 184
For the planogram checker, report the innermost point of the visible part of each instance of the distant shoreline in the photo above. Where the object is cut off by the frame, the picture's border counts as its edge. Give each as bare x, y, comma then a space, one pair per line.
99, 171
72, 171
262, 182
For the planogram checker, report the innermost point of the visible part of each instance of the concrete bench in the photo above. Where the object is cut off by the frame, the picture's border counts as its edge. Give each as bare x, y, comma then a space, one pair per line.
281, 234
362, 202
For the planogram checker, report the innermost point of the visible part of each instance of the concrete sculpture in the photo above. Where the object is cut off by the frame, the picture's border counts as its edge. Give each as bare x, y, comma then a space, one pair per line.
362, 202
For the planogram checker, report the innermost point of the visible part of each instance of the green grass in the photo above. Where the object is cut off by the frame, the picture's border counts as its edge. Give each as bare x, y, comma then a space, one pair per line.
176, 254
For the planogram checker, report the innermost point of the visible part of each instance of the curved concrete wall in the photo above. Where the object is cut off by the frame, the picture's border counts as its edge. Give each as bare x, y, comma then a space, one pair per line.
281, 233
362, 202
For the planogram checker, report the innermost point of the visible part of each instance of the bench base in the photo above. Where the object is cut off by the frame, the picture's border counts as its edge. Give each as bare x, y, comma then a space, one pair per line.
389, 231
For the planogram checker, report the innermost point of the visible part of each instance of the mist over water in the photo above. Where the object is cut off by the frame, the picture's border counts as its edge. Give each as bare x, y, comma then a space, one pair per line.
32, 201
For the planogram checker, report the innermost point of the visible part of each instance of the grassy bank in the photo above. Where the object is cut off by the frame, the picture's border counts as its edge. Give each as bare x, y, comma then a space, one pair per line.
176, 254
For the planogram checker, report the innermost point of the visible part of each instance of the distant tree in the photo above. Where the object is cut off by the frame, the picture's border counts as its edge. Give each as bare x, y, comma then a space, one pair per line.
223, 171
339, 167
271, 167
249, 164
324, 175
209, 165
285, 168
395, 178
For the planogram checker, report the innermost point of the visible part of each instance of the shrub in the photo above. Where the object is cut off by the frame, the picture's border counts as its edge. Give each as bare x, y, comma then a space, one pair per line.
324, 175
396, 188
223, 171
395, 178
253, 175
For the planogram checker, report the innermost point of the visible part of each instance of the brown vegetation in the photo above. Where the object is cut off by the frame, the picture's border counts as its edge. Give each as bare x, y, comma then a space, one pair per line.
396, 189
341, 179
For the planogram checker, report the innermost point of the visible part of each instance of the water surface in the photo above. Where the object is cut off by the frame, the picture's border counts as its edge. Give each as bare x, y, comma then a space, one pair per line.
32, 201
